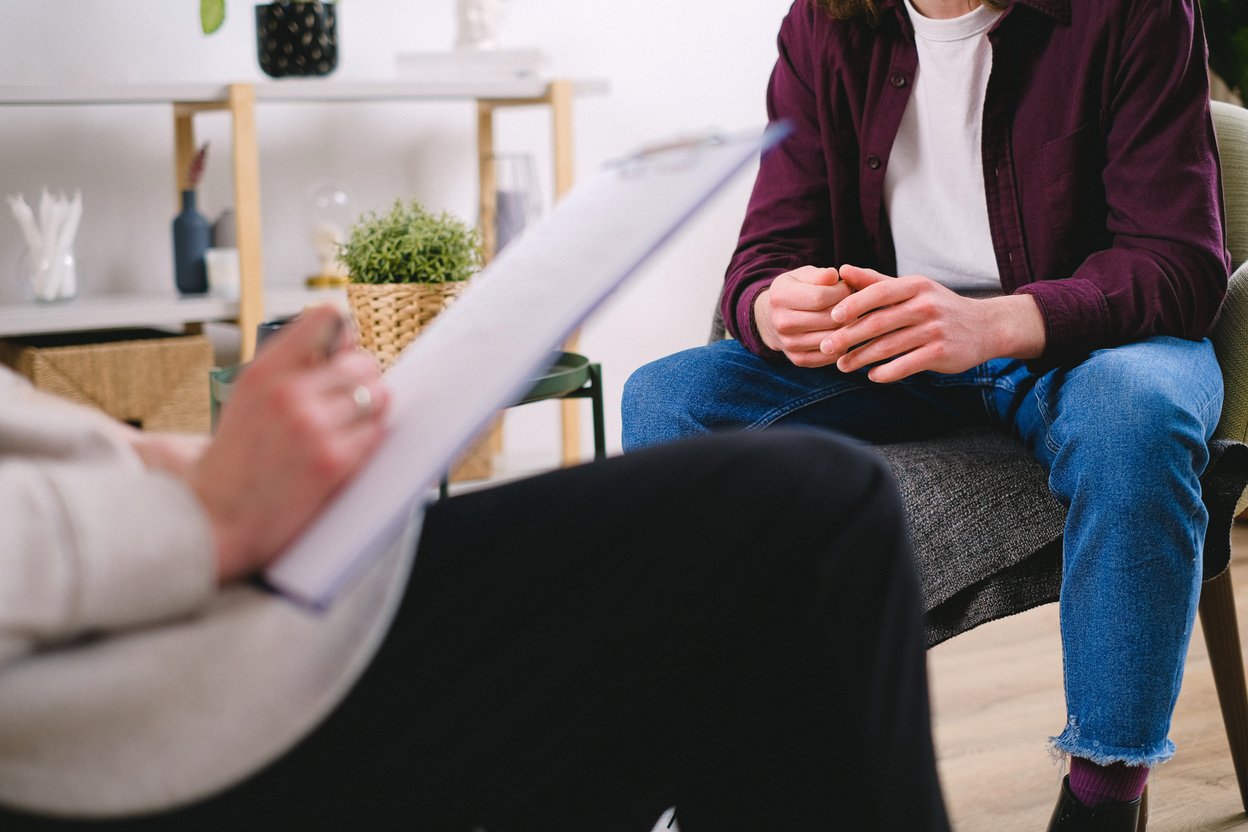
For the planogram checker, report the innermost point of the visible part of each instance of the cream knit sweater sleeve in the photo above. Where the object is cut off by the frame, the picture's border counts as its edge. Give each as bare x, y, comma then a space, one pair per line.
92, 540
180, 689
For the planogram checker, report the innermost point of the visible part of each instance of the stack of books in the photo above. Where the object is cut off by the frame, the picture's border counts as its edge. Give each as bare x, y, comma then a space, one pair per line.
471, 65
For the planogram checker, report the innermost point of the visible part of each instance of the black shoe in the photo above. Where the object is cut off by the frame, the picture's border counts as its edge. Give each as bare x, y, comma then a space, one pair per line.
1072, 816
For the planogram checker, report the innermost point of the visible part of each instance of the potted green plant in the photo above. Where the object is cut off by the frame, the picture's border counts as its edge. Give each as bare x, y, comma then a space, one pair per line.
292, 38
1226, 23
405, 266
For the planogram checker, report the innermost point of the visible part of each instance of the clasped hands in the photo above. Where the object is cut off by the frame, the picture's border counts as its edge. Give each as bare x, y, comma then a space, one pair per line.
855, 318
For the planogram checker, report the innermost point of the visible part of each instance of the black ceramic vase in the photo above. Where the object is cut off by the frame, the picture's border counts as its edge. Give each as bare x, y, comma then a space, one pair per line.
297, 39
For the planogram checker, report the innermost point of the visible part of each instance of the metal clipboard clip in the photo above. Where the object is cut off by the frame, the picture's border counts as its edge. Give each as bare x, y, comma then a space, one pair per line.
679, 154
670, 155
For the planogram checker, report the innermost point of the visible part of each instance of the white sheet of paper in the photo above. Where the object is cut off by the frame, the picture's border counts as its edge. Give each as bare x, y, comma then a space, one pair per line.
484, 351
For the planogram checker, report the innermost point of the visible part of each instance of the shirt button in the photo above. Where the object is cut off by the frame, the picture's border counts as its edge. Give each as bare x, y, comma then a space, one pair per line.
898, 80
1011, 258
873, 162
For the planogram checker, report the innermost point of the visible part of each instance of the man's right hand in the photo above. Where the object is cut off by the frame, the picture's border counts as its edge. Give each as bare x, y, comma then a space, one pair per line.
794, 315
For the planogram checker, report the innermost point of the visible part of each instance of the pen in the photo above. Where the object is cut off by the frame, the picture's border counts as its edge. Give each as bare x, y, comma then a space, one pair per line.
334, 335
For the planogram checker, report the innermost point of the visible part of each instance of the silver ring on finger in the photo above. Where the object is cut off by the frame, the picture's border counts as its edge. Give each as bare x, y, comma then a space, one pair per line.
362, 396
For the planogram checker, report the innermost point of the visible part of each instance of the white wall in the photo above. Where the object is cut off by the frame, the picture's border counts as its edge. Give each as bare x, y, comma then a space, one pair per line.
674, 68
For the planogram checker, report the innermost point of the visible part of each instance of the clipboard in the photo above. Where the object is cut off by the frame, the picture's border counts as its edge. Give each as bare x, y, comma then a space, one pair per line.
500, 332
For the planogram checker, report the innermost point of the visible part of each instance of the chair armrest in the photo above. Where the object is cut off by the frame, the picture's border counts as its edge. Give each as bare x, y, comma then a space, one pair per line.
1230, 340
1231, 124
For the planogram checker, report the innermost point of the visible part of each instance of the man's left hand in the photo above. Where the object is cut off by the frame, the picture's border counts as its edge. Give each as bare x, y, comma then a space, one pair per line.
906, 325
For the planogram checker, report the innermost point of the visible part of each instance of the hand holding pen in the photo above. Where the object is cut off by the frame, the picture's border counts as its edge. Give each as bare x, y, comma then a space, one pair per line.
301, 421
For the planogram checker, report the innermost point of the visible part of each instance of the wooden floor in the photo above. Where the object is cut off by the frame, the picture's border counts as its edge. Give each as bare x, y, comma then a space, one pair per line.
997, 697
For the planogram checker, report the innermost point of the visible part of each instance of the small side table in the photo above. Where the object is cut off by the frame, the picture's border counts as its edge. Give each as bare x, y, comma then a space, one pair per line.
572, 376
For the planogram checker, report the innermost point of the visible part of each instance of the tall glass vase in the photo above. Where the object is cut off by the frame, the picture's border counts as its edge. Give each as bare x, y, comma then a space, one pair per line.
192, 236
518, 202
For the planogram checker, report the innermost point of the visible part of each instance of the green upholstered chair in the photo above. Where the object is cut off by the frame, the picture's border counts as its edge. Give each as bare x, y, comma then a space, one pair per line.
1005, 557
983, 567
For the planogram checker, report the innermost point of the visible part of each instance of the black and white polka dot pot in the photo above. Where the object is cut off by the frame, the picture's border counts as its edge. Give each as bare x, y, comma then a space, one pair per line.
297, 39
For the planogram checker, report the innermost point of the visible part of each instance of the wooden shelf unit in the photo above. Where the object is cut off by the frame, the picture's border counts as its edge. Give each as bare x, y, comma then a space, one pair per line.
239, 102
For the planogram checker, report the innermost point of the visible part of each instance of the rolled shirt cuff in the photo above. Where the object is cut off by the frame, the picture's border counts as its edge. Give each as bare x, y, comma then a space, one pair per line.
1076, 319
747, 325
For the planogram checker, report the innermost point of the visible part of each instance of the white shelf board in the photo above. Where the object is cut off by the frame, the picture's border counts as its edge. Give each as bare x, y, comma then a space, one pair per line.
80, 94
146, 310
313, 90
289, 91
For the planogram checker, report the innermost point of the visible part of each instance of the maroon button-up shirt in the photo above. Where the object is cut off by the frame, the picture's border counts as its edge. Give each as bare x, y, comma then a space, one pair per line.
1100, 167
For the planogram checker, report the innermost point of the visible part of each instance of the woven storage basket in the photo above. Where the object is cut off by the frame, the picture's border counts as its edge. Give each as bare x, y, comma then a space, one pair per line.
149, 379
389, 316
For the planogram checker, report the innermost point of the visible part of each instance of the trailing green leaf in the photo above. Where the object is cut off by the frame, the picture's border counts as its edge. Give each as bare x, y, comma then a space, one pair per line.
409, 244
211, 15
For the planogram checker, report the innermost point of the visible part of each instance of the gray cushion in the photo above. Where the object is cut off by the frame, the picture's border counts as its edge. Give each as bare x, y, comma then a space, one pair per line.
988, 534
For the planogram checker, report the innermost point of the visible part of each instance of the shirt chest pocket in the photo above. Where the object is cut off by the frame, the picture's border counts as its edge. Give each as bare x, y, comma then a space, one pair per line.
1072, 167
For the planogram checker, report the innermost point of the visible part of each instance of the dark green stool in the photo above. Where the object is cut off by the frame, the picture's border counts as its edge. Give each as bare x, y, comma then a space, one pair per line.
572, 376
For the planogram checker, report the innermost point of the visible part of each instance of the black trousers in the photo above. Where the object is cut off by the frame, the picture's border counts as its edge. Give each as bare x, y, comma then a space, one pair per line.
729, 625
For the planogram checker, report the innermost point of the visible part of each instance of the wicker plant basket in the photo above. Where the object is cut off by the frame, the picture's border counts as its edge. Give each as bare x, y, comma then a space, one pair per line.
389, 316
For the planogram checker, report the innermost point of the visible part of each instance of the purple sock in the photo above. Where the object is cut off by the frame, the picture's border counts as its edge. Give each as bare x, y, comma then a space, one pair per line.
1116, 783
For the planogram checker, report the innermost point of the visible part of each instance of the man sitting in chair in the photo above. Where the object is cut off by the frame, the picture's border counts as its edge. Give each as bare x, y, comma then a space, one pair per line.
1042, 177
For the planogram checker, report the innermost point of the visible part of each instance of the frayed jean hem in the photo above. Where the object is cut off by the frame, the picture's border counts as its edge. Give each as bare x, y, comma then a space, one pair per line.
1070, 743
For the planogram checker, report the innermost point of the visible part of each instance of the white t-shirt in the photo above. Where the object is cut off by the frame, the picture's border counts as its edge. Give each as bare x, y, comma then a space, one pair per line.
934, 186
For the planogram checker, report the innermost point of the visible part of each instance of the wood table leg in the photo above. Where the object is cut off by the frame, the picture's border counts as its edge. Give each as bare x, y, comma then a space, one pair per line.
560, 98
242, 100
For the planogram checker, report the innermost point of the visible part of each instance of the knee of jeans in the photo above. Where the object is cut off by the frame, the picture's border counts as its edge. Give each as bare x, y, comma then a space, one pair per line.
1150, 436
659, 404
1160, 382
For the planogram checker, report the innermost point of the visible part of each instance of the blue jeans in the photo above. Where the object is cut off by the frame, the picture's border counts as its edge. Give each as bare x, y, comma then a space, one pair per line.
1123, 436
